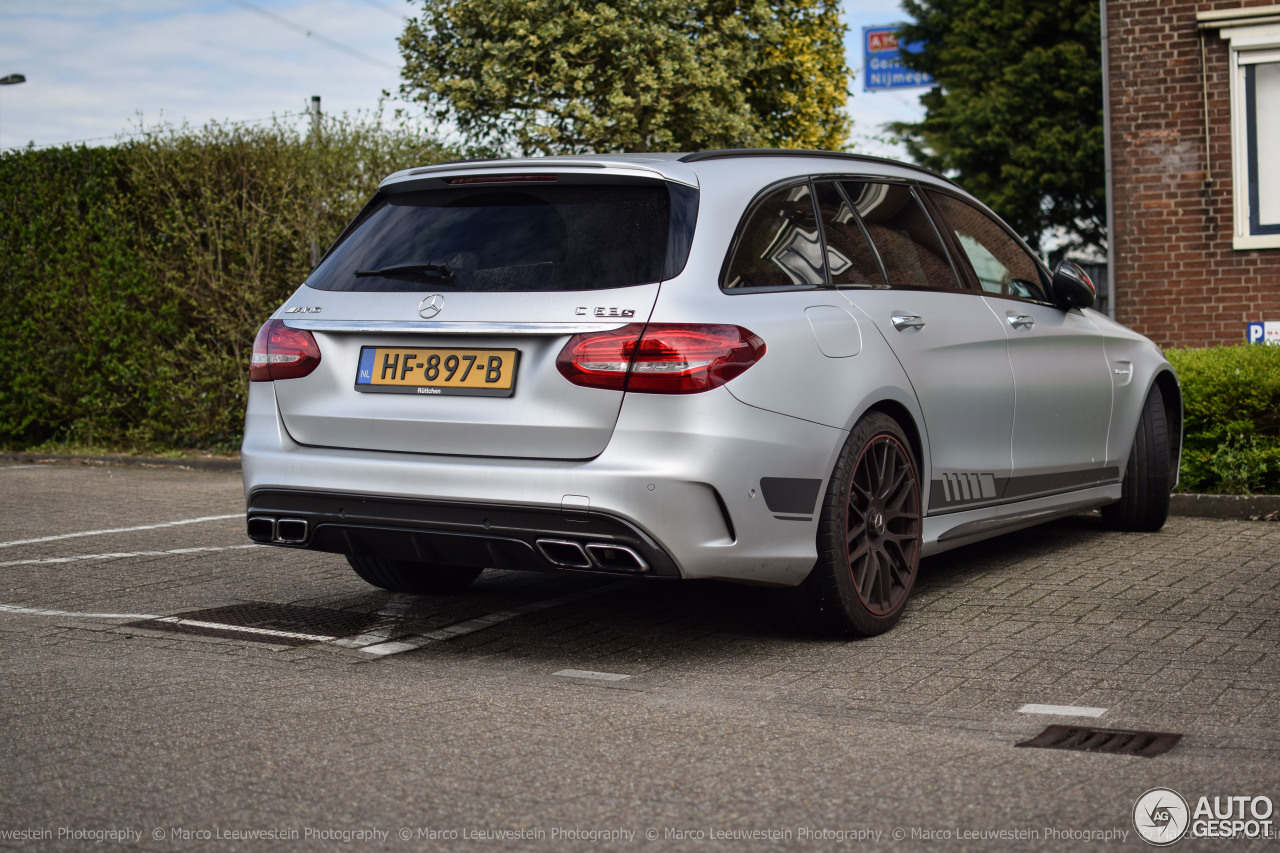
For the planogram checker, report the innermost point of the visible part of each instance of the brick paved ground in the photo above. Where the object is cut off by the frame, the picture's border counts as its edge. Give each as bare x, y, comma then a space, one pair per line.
733, 718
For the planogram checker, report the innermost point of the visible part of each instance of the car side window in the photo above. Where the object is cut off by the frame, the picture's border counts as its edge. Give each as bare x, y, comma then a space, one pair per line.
778, 245
998, 261
903, 234
850, 257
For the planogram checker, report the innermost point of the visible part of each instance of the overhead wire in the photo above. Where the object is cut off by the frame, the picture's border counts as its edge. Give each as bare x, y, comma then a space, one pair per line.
382, 8
312, 34
271, 16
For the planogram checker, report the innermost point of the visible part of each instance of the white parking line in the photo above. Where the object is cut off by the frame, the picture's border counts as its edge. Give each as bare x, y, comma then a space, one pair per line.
120, 554
175, 620
120, 530
594, 676
374, 642
460, 629
39, 611
245, 629
397, 607
470, 626
1062, 710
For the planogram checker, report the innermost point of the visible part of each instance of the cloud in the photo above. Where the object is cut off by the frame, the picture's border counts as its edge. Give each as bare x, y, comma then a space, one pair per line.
91, 72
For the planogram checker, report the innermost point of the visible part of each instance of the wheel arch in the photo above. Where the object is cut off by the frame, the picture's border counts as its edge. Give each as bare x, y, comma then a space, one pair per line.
1171, 398
902, 415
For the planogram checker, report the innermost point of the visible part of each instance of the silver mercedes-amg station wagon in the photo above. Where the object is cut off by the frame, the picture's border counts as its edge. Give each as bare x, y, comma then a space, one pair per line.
770, 367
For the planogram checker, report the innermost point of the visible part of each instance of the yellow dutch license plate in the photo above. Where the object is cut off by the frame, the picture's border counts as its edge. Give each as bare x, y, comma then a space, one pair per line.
444, 370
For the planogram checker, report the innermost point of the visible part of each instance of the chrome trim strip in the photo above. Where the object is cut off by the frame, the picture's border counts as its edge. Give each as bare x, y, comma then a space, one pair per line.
452, 327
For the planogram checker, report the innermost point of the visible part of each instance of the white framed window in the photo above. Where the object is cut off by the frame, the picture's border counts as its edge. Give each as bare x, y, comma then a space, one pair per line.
1253, 35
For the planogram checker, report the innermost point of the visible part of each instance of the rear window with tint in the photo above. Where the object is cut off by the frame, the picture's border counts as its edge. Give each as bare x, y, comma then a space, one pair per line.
549, 237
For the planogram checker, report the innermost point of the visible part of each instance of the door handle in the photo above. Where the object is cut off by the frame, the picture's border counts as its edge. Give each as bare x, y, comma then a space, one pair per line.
903, 322
1020, 321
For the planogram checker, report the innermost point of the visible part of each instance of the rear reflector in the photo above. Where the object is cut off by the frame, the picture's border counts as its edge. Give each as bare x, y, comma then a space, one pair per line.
282, 353
661, 358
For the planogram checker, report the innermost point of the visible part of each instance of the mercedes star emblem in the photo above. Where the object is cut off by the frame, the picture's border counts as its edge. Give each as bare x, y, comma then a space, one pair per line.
430, 306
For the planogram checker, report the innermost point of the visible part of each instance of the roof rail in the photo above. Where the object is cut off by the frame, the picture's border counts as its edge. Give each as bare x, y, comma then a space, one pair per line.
730, 153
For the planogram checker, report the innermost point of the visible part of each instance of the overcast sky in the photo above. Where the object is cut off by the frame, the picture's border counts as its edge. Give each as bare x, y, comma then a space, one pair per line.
96, 69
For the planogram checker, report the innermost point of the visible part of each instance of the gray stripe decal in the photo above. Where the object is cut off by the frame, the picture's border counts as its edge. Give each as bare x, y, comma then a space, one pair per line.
1021, 487
967, 490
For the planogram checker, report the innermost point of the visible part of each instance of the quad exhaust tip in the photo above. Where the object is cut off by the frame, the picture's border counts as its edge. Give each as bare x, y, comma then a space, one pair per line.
287, 531
593, 556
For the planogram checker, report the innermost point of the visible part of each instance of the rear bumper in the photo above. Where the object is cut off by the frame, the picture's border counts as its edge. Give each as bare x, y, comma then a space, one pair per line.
679, 485
450, 533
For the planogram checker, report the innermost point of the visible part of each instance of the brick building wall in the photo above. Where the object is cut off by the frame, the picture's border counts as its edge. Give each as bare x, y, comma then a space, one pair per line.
1178, 279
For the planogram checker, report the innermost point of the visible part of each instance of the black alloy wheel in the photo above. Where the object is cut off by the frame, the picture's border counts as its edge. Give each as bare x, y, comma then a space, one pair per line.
883, 525
870, 531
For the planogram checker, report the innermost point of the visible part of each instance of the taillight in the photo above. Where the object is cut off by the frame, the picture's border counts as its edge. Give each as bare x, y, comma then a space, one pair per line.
282, 353
661, 358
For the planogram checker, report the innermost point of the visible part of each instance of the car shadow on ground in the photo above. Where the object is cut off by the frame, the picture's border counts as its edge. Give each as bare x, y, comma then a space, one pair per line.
613, 621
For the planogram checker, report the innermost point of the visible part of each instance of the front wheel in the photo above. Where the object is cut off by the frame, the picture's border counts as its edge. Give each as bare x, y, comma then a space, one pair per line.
869, 532
1148, 477
416, 578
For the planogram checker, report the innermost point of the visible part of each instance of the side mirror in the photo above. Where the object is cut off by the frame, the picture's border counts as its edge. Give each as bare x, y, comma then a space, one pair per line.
1072, 287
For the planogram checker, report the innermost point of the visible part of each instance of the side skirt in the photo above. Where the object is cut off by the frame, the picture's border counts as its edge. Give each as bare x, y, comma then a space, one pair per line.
944, 532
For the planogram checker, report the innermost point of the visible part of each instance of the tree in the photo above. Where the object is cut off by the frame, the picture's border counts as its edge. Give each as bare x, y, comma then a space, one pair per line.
1017, 115
558, 76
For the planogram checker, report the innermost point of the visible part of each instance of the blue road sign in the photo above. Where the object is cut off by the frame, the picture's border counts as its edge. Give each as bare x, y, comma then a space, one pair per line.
882, 66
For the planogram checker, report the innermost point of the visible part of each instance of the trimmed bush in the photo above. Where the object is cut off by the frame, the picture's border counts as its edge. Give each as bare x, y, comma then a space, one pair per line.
135, 277
1231, 438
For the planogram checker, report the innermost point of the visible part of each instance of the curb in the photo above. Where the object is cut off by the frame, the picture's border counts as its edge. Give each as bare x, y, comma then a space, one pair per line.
188, 463
1245, 507
1237, 507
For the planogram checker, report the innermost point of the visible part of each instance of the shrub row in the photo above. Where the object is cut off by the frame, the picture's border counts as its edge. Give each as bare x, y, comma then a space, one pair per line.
135, 277
1231, 433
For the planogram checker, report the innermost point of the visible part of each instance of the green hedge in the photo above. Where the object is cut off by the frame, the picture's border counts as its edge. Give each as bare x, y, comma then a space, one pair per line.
134, 277
1231, 396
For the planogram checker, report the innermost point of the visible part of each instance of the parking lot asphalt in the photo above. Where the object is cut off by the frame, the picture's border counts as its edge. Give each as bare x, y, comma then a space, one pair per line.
545, 711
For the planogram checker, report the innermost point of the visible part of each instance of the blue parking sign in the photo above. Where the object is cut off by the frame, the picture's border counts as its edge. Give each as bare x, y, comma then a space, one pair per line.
1257, 333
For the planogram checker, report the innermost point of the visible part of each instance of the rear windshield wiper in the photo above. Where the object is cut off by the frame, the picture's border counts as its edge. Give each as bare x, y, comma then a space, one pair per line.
437, 270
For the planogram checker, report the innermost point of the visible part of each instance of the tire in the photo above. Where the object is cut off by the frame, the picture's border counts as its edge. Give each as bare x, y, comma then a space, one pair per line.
869, 533
416, 578
1148, 478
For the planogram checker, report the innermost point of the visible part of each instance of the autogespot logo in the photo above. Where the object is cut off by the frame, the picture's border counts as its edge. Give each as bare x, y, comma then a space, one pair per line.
1160, 816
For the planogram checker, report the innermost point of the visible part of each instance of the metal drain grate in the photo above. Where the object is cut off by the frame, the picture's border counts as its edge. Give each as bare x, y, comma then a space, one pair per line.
263, 622
1114, 741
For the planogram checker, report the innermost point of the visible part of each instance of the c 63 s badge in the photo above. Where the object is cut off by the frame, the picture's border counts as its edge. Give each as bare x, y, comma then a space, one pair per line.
303, 309
583, 311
